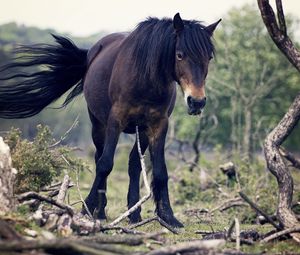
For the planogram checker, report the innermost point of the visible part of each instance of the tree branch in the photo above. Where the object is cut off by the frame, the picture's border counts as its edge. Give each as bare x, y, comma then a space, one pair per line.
280, 16
33, 195
279, 34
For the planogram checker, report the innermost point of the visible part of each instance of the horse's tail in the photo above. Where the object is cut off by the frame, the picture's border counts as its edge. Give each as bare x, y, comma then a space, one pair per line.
60, 67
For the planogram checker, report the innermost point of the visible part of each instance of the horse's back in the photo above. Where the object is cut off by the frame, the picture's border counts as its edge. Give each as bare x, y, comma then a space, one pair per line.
101, 58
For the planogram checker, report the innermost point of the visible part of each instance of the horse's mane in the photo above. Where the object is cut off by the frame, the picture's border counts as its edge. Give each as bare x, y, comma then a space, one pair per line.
153, 43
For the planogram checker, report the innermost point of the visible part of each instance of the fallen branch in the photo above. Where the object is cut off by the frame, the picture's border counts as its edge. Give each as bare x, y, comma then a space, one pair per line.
229, 204
147, 196
132, 240
160, 221
59, 246
193, 246
33, 195
122, 229
143, 222
237, 234
280, 233
260, 211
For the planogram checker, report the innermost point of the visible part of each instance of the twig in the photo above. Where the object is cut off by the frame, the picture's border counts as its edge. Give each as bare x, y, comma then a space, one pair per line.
78, 188
279, 234
64, 136
160, 221
268, 218
34, 195
147, 196
230, 229
63, 189
237, 234
141, 223
228, 204
166, 225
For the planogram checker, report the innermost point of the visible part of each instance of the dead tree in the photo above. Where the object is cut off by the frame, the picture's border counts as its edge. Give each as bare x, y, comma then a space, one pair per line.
7, 176
278, 32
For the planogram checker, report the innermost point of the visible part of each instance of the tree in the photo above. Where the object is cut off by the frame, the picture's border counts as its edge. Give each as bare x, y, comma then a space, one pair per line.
277, 166
246, 77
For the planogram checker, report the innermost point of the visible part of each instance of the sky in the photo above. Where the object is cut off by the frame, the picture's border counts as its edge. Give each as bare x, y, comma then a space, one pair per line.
86, 17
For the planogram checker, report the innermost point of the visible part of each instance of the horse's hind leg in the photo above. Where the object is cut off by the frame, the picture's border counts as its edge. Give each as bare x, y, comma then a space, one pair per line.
134, 171
98, 136
104, 166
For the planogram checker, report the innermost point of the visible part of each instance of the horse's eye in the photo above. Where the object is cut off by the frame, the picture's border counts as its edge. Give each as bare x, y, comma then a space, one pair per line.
179, 55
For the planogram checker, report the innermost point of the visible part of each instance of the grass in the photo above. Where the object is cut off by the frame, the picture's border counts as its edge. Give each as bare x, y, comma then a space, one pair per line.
191, 195
188, 198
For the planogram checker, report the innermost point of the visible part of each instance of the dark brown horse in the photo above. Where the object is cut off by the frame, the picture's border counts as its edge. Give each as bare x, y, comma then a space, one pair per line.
129, 80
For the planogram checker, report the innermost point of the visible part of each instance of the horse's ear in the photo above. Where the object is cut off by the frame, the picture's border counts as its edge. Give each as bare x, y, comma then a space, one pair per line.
178, 23
211, 28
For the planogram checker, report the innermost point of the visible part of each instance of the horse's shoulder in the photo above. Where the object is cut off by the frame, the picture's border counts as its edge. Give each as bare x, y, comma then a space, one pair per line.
104, 42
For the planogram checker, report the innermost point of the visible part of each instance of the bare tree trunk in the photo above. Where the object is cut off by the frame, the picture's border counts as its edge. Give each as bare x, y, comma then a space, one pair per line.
275, 162
247, 133
234, 135
7, 176
277, 165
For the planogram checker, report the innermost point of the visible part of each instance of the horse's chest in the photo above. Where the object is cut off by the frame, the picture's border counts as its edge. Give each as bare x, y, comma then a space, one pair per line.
142, 117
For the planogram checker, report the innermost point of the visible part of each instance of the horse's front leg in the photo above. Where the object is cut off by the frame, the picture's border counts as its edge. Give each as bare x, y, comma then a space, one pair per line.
134, 171
103, 168
157, 135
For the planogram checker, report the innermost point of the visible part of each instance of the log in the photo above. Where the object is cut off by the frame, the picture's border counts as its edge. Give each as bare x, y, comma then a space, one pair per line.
7, 177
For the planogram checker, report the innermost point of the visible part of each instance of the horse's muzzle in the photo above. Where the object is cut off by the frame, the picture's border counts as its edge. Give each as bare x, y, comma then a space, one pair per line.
195, 106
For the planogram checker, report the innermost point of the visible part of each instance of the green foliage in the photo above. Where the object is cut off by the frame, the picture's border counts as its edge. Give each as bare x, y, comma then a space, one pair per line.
37, 162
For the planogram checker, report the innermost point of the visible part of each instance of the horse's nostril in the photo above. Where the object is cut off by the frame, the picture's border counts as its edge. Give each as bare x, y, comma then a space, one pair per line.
190, 101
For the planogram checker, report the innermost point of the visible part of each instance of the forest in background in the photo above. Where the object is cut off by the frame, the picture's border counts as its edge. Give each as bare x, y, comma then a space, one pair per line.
249, 87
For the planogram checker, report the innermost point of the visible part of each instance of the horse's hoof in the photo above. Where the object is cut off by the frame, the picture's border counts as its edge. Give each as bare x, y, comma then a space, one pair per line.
133, 219
100, 215
172, 221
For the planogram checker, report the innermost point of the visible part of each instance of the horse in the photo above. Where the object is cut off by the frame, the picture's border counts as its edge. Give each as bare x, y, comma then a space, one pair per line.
129, 80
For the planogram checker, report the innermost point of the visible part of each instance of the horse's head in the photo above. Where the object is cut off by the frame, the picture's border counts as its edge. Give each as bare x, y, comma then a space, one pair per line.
194, 50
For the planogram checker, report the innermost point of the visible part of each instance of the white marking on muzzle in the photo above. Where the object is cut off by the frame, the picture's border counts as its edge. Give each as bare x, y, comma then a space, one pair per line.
186, 94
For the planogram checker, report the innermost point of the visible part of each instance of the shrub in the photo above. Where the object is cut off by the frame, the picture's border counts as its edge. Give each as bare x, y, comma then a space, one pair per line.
37, 162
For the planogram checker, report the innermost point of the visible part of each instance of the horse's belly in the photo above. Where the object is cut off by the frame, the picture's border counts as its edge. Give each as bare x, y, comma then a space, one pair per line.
131, 127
